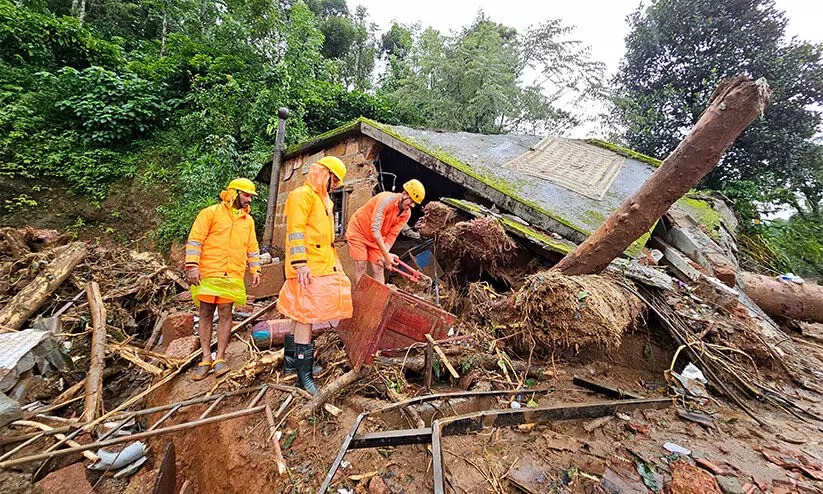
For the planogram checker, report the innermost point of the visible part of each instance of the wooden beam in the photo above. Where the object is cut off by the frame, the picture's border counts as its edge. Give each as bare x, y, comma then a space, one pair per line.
443, 357
93, 404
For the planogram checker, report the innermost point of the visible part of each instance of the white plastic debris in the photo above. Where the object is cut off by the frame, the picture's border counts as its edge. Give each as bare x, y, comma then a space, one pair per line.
790, 278
515, 405
118, 459
676, 448
692, 372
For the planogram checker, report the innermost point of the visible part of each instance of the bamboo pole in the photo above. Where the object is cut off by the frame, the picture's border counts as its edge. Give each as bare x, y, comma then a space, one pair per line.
735, 104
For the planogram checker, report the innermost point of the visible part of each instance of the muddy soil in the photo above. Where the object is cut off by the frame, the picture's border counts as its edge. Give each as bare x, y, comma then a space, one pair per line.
568, 456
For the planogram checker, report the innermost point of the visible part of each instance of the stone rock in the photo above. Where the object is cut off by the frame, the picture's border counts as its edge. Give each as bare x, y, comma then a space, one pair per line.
9, 410
177, 256
177, 325
727, 274
689, 479
69, 480
378, 486
183, 347
729, 485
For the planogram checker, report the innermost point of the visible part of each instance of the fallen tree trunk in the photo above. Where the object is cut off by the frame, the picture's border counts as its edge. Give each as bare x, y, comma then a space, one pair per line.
93, 403
803, 302
733, 106
29, 299
329, 391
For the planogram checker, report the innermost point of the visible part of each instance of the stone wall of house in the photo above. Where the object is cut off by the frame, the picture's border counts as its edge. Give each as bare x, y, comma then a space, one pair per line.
359, 153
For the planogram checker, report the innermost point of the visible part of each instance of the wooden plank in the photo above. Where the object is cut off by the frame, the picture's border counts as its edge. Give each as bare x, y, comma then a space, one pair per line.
443, 357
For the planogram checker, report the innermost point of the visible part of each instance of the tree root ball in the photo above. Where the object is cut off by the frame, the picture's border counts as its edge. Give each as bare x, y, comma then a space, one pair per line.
557, 312
436, 218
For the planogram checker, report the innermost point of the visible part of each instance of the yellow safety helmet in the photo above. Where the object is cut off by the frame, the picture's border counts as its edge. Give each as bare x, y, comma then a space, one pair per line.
415, 190
335, 166
243, 185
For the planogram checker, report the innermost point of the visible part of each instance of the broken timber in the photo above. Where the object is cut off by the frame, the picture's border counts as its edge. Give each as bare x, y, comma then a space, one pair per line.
93, 402
803, 302
733, 106
23, 305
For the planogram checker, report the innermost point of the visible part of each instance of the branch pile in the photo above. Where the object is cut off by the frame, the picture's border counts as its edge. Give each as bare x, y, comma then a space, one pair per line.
477, 246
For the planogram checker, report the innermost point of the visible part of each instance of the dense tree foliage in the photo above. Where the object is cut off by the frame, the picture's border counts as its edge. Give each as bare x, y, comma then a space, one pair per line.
183, 94
679, 51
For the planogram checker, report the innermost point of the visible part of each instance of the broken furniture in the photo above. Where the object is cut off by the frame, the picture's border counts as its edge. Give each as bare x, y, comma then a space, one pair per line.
387, 318
475, 421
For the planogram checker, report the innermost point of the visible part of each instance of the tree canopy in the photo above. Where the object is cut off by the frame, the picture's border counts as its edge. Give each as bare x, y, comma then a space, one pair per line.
677, 54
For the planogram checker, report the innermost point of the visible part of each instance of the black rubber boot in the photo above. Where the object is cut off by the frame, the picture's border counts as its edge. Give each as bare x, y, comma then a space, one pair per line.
304, 360
288, 355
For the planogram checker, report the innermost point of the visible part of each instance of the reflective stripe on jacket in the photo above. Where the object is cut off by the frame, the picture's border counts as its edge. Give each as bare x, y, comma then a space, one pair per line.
380, 215
310, 226
222, 243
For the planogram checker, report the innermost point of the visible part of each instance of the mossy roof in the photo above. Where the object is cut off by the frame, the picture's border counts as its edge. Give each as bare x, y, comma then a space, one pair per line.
480, 157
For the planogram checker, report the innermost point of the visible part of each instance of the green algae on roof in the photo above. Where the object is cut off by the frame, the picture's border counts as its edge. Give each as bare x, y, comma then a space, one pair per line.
515, 227
701, 210
623, 151
510, 188
344, 129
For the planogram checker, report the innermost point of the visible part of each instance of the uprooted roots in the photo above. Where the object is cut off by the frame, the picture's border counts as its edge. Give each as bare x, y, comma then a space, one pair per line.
436, 218
477, 246
569, 312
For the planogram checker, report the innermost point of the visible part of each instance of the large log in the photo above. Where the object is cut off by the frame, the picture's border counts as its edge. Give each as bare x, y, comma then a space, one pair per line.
93, 403
733, 106
803, 302
23, 305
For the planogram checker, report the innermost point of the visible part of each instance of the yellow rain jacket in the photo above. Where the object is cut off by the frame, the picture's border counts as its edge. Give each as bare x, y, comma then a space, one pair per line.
221, 244
310, 242
310, 226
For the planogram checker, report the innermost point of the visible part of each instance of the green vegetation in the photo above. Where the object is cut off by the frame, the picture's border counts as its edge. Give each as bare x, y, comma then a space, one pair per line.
624, 151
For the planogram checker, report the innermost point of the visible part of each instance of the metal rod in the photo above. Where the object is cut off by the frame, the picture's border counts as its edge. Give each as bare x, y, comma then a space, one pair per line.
29, 435
437, 459
164, 417
258, 396
603, 389
23, 445
340, 454
212, 406
133, 437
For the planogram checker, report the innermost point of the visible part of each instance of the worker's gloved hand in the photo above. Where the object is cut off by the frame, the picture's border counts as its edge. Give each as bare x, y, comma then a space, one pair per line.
303, 276
193, 276
413, 234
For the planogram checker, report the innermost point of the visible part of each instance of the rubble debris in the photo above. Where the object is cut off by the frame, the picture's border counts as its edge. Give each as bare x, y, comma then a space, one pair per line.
274, 436
183, 347
689, 479
729, 485
556, 312
28, 300
697, 418
9, 410
46, 431
442, 355
676, 448
733, 106
437, 217
17, 354
177, 325
329, 391
93, 403
777, 298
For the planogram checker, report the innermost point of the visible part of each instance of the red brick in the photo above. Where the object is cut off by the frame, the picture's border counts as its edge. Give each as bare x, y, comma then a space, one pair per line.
378, 486
177, 325
69, 480
726, 274
183, 347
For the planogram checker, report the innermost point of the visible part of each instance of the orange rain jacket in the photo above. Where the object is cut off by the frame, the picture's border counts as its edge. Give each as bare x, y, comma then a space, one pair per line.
310, 226
380, 215
222, 244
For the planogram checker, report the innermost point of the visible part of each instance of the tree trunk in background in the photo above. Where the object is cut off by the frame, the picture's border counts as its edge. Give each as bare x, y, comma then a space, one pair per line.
803, 302
734, 105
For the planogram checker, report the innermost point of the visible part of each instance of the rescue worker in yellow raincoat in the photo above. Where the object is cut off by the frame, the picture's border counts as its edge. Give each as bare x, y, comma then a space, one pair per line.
374, 227
316, 288
222, 243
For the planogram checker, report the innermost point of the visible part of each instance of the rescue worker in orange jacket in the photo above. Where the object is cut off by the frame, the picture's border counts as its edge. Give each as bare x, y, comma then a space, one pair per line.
221, 244
316, 288
374, 227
